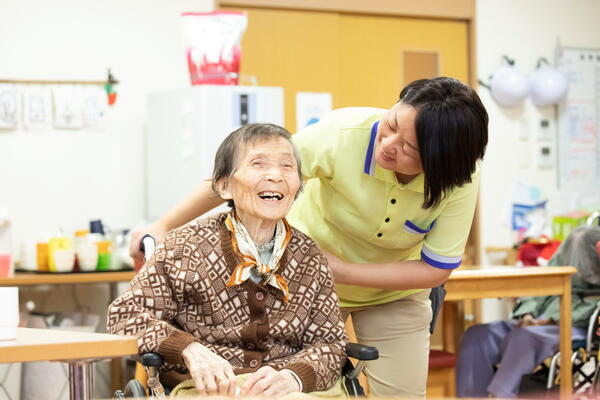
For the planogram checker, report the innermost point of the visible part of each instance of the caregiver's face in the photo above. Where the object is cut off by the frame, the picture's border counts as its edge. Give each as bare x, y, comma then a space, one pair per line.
265, 181
396, 144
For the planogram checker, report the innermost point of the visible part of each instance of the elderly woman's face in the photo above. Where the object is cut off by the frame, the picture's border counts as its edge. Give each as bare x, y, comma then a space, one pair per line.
265, 181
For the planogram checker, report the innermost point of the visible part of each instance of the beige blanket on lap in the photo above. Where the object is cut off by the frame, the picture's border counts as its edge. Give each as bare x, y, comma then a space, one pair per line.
338, 391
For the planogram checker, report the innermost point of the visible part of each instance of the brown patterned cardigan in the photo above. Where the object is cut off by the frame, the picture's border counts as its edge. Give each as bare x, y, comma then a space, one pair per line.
180, 297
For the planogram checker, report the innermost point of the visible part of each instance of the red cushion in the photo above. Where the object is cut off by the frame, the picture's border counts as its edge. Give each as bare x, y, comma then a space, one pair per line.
441, 359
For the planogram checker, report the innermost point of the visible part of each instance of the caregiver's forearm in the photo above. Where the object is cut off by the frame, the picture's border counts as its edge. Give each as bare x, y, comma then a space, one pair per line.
393, 276
200, 201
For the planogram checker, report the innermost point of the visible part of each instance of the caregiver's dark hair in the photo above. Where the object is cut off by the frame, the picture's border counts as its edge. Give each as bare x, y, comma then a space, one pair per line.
226, 157
452, 133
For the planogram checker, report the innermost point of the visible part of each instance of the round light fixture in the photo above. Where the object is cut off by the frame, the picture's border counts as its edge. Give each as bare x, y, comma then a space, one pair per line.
548, 85
509, 85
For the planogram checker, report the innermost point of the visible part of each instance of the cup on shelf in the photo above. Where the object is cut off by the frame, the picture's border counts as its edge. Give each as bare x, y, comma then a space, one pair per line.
6, 269
29, 254
87, 256
64, 260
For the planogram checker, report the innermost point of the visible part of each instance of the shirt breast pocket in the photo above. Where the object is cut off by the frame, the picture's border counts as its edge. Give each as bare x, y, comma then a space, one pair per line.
413, 234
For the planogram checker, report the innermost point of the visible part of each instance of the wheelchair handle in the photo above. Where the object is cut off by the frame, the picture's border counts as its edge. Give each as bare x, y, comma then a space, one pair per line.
147, 246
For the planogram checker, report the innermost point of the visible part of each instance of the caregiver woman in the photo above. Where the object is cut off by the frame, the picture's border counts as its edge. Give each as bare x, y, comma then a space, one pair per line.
390, 196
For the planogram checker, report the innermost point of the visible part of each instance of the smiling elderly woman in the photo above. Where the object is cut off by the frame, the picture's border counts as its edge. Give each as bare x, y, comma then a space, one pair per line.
241, 292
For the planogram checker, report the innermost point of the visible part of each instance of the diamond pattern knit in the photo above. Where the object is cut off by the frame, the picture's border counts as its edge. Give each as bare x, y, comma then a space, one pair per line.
180, 297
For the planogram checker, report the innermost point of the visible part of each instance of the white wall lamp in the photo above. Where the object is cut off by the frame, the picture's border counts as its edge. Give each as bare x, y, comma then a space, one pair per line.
509, 86
547, 85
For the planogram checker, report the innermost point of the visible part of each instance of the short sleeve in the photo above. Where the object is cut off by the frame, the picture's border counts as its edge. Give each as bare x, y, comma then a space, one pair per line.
445, 243
316, 144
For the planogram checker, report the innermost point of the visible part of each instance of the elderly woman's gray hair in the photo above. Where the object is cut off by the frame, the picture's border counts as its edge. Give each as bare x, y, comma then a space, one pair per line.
579, 250
226, 157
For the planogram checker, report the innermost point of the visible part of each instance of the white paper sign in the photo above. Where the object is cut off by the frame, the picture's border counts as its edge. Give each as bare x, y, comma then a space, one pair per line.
68, 106
95, 107
37, 107
310, 108
9, 106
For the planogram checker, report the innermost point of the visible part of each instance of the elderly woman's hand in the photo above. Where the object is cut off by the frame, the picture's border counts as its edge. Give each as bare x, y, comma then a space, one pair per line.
211, 373
270, 382
528, 320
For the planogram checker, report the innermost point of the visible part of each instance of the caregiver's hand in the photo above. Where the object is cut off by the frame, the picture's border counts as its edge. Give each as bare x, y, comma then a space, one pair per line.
156, 230
270, 382
211, 373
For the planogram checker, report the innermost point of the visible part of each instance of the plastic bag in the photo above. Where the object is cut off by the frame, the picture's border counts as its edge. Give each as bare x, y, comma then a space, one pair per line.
213, 46
528, 216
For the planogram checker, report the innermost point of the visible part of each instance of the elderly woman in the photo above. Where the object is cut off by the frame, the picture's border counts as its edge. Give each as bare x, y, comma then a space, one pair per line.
516, 346
240, 292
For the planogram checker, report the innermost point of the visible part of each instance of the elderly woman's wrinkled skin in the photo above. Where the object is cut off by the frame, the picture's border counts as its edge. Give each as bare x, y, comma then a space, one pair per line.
263, 188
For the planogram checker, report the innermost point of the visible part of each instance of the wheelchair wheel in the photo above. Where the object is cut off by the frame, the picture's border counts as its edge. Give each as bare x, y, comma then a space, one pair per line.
135, 389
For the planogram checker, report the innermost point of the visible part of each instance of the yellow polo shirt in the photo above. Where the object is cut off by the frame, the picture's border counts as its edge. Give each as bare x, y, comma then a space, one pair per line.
359, 211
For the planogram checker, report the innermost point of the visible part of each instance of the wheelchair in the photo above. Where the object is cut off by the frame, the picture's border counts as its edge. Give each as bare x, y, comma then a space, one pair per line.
584, 360
153, 361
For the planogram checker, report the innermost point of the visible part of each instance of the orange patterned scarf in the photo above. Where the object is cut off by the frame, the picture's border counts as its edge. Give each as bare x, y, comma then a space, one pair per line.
246, 250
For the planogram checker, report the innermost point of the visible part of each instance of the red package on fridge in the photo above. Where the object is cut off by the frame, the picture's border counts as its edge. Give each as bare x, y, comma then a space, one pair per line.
213, 46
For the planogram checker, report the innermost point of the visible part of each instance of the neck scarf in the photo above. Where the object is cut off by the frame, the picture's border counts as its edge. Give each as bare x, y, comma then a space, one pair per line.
245, 248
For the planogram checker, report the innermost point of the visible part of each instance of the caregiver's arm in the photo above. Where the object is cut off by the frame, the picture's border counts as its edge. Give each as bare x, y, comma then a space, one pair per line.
442, 251
392, 276
200, 201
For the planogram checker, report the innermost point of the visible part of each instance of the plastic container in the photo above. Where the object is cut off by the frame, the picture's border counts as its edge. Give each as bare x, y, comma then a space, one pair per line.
563, 225
7, 267
104, 255
42, 256
79, 240
28, 259
87, 257
60, 243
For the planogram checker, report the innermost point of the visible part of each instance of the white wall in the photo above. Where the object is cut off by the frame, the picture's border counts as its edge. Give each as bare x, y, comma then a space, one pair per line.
525, 31
63, 178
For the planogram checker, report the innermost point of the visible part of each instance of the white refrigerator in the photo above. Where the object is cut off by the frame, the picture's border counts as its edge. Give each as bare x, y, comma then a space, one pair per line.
185, 128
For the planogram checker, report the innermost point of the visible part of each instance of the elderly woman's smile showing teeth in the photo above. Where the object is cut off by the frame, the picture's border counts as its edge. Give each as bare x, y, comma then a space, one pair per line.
270, 195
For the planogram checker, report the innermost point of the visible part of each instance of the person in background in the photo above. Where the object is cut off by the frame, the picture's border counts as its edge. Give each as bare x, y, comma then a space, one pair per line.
390, 197
241, 292
494, 357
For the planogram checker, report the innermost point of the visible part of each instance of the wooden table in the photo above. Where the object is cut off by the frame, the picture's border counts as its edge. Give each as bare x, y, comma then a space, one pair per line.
79, 349
491, 282
33, 278
50, 278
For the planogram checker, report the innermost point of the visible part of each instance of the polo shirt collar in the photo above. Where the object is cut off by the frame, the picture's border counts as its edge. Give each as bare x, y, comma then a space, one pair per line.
371, 168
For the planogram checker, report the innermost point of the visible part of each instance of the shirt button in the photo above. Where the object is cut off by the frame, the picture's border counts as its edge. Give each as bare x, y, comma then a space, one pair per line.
259, 296
253, 363
387, 220
379, 234
393, 201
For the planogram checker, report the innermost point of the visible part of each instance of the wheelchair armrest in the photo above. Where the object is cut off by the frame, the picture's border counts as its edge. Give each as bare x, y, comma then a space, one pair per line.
150, 359
588, 292
362, 352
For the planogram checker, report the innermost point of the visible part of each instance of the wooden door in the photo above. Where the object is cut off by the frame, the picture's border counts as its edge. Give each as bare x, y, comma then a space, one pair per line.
362, 60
